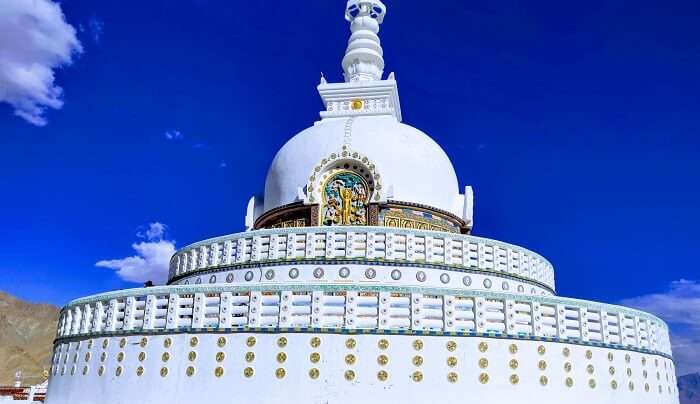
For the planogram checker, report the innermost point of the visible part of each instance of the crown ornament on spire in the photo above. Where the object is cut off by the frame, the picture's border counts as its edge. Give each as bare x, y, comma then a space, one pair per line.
363, 59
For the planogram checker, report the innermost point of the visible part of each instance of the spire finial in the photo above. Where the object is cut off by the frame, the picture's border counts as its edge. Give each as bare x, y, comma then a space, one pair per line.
363, 59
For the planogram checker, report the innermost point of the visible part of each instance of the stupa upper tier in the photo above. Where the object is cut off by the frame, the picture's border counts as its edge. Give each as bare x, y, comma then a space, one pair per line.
391, 165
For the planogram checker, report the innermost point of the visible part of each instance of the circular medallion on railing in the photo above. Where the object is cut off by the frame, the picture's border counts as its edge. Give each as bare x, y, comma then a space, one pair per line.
318, 273
444, 278
420, 276
487, 283
344, 272
370, 273
249, 276
396, 274
293, 273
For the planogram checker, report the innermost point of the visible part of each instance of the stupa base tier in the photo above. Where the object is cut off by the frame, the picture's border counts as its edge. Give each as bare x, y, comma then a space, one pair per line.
307, 367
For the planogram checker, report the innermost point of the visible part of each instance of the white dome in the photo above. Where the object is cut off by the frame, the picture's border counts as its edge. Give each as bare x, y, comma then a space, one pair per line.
412, 166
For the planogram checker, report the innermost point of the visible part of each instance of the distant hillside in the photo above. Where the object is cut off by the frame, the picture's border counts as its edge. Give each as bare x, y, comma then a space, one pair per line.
27, 331
689, 388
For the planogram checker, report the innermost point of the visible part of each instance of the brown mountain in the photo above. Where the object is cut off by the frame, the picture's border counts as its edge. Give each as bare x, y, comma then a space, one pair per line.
27, 331
689, 388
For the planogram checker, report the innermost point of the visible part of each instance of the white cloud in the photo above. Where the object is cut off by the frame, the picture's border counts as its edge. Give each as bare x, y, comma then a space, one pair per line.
223, 164
679, 306
152, 257
173, 135
35, 39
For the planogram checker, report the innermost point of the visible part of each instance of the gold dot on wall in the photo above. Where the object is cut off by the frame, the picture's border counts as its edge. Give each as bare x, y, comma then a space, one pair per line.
314, 373
451, 346
451, 361
165, 357
350, 343
249, 356
250, 341
163, 372
282, 342
87, 356
248, 372
383, 344
544, 380
590, 369
452, 377
220, 356
315, 357
484, 378
513, 349
167, 343
567, 367
194, 341
483, 363
613, 384
417, 345
105, 342
417, 360
611, 369
513, 363
591, 383
221, 342
219, 371
190, 371
100, 371
280, 373
143, 342
382, 360
541, 350
120, 356
315, 342
542, 365
103, 356
281, 357
569, 382
122, 343
631, 386
349, 375
192, 356
610, 356
85, 370
589, 354
350, 359
483, 347
382, 375
118, 371
566, 352
514, 379
417, 376
139, 371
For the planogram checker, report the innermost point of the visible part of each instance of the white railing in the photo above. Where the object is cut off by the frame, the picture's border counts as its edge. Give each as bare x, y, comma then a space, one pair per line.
369, 243
363, 307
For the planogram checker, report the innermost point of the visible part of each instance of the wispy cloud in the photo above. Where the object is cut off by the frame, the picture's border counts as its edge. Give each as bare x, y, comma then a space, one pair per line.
679, 306
95, 26
223, 164
152, 257
35, 39
173, 135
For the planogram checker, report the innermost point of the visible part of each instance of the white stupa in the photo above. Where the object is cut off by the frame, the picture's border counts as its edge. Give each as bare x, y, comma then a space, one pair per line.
358, 281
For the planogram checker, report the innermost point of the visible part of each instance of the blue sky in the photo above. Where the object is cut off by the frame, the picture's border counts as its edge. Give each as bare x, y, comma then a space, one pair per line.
576, 124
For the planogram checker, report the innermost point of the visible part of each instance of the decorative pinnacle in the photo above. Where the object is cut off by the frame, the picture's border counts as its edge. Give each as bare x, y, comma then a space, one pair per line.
363, 59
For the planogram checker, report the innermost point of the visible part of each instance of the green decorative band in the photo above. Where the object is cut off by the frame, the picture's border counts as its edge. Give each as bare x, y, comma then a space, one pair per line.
361, 261
359, 331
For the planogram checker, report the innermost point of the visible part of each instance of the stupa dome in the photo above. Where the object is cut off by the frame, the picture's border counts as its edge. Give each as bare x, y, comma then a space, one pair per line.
412, 166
